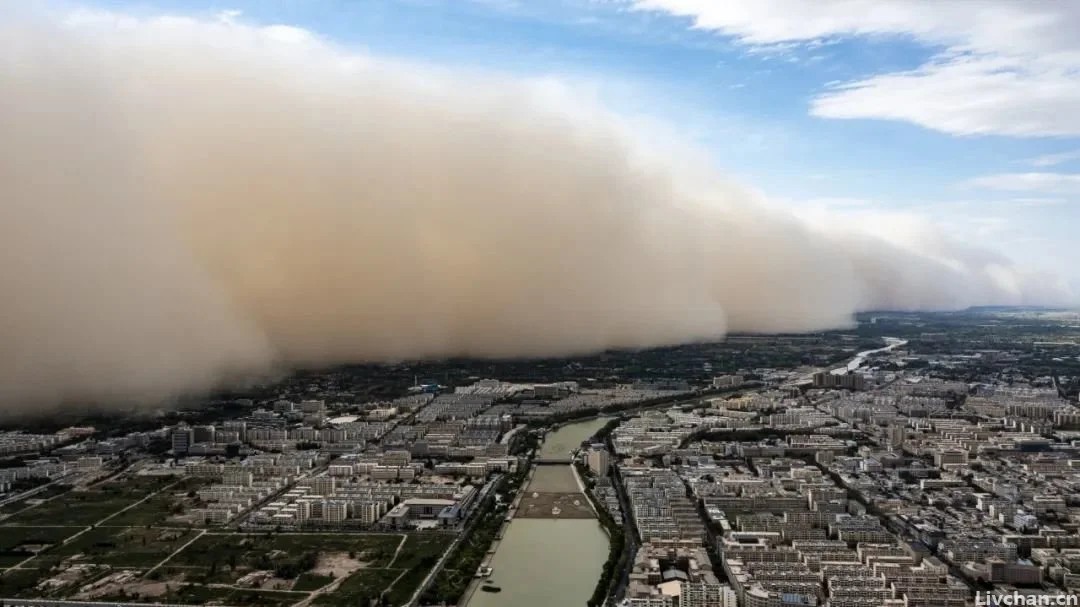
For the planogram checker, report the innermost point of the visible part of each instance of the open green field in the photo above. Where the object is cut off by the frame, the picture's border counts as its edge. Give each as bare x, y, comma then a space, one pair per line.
379, 565
224, 558
17, 582
140, 547
422, 550
20, 543
114, 541
419, 555
46, 493
193, 594
161, 506
365, 584
311, 581
88, 507
212, 569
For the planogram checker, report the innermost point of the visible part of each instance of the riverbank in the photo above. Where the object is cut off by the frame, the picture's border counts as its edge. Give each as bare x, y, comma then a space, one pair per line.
616, 530
479, 541
614, 563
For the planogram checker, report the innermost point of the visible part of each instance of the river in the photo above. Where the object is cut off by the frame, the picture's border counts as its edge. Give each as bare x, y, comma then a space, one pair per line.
546, 562
860, 358
568, 437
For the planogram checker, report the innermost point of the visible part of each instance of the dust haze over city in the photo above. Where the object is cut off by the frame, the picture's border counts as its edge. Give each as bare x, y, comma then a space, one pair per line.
539, 303
194, 199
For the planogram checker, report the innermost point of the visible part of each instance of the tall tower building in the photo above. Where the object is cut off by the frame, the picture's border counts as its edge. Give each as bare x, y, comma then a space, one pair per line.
599, 460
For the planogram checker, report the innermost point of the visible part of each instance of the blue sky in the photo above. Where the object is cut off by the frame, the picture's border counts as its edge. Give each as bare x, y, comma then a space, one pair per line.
955, 110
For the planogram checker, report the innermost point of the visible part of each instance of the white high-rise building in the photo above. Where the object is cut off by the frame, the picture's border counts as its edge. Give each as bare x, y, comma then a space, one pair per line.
369, 512
303, 510
705, 594
599, 460
335, 511
238, 478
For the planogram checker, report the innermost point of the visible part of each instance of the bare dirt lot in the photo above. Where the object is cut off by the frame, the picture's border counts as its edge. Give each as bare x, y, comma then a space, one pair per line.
337, 564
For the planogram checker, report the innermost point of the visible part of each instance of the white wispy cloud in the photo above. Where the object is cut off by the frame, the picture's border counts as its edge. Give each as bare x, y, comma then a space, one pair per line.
1048, 160
1003, 67
1046, 183
1039, 201
965, 96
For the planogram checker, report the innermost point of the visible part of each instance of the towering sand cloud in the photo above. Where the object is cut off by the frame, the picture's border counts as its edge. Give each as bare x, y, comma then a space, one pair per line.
183, 202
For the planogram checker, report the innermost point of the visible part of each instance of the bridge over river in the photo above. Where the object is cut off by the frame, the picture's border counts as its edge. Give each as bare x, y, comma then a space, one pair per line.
553, 461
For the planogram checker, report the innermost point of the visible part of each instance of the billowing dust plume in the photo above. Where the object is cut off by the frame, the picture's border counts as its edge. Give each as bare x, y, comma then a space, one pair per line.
187, 201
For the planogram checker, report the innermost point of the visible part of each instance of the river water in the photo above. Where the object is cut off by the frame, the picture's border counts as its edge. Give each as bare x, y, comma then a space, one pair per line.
860, 358
549, 562
546, 563
567, 438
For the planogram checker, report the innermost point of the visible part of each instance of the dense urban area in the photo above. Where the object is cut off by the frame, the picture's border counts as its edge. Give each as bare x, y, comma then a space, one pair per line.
913, 460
